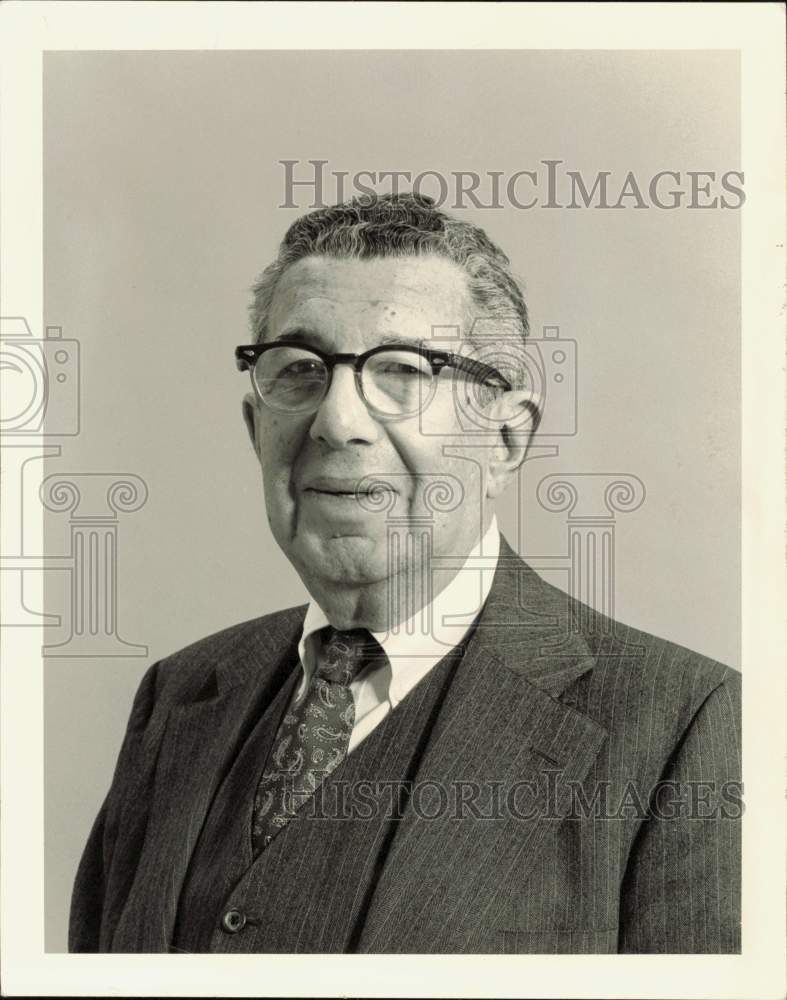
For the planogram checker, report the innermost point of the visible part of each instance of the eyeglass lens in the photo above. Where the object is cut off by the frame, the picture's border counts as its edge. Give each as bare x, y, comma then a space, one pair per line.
293, 380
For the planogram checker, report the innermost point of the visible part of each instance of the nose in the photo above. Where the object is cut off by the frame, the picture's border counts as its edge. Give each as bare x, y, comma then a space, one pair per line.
342, 417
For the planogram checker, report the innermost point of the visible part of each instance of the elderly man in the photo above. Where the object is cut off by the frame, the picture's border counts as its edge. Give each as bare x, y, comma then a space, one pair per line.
362, 774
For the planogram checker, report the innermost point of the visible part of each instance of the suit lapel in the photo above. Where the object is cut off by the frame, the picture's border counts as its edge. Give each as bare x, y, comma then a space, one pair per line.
494, 775
199, 742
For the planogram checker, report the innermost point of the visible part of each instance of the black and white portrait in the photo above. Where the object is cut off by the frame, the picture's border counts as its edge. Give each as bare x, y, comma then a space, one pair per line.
386, 422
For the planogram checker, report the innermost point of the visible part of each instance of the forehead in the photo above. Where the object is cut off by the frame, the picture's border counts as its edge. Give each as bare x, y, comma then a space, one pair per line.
363, 297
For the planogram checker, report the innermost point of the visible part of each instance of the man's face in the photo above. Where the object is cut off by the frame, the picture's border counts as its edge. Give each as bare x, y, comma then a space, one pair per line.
312, 463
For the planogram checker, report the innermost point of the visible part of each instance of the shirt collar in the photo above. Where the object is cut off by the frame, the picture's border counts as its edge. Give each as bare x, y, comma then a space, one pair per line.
460, 600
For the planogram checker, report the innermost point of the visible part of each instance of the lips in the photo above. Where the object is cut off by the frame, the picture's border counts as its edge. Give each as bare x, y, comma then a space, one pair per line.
336, 485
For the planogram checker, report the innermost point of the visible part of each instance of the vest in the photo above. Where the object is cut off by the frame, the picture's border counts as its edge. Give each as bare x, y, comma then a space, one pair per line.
310, 888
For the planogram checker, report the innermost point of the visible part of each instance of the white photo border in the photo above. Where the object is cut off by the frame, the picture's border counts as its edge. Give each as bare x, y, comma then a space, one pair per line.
756, 31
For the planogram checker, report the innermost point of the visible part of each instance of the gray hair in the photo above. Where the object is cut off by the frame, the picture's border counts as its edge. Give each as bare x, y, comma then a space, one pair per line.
409, 225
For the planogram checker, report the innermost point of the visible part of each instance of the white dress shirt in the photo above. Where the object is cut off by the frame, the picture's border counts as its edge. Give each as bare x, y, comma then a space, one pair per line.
412, 650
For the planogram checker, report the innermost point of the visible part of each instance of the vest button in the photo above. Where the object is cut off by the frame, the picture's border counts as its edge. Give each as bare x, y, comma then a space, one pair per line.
233, 921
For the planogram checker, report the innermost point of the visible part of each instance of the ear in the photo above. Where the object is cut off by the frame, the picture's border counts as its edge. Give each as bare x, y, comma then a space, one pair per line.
250, 418
516, 413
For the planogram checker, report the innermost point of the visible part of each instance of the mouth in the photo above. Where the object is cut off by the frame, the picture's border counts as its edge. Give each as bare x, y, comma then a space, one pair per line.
338, 494
339, 486
360, 495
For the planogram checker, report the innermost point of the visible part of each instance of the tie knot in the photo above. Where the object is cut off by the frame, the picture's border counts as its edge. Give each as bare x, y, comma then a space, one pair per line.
346, 653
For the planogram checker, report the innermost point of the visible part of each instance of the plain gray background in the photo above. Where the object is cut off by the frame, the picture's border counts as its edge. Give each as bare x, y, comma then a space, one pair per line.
161, 187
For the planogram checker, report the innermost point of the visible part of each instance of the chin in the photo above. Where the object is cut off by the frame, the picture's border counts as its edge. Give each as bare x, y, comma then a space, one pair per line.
347, 559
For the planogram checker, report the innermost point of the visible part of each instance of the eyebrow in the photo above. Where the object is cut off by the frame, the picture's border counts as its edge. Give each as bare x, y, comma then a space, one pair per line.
308, 337
299, 333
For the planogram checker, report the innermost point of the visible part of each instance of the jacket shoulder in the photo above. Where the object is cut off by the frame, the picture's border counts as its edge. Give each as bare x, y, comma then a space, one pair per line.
619, 646
640, 676
623, 652
187, 674
221, 642
663, 673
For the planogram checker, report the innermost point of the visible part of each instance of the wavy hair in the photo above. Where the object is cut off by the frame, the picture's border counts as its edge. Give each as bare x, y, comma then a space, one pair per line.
408, 225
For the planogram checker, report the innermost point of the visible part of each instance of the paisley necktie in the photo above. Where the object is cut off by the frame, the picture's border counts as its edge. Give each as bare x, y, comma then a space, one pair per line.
314, 734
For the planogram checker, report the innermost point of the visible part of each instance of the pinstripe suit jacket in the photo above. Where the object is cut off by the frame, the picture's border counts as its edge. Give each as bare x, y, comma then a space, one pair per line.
608, 762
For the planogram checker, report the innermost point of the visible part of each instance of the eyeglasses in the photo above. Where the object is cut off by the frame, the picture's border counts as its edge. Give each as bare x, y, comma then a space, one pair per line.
393, 381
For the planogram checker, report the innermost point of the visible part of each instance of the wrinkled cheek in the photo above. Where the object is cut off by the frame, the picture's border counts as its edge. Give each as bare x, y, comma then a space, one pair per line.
281, 508
279, 502
280, 444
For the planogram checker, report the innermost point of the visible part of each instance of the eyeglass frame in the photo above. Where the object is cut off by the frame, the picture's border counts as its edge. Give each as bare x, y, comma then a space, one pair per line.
247, 355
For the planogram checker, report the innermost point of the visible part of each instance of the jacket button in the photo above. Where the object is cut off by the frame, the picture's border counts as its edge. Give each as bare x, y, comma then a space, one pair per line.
233, 921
